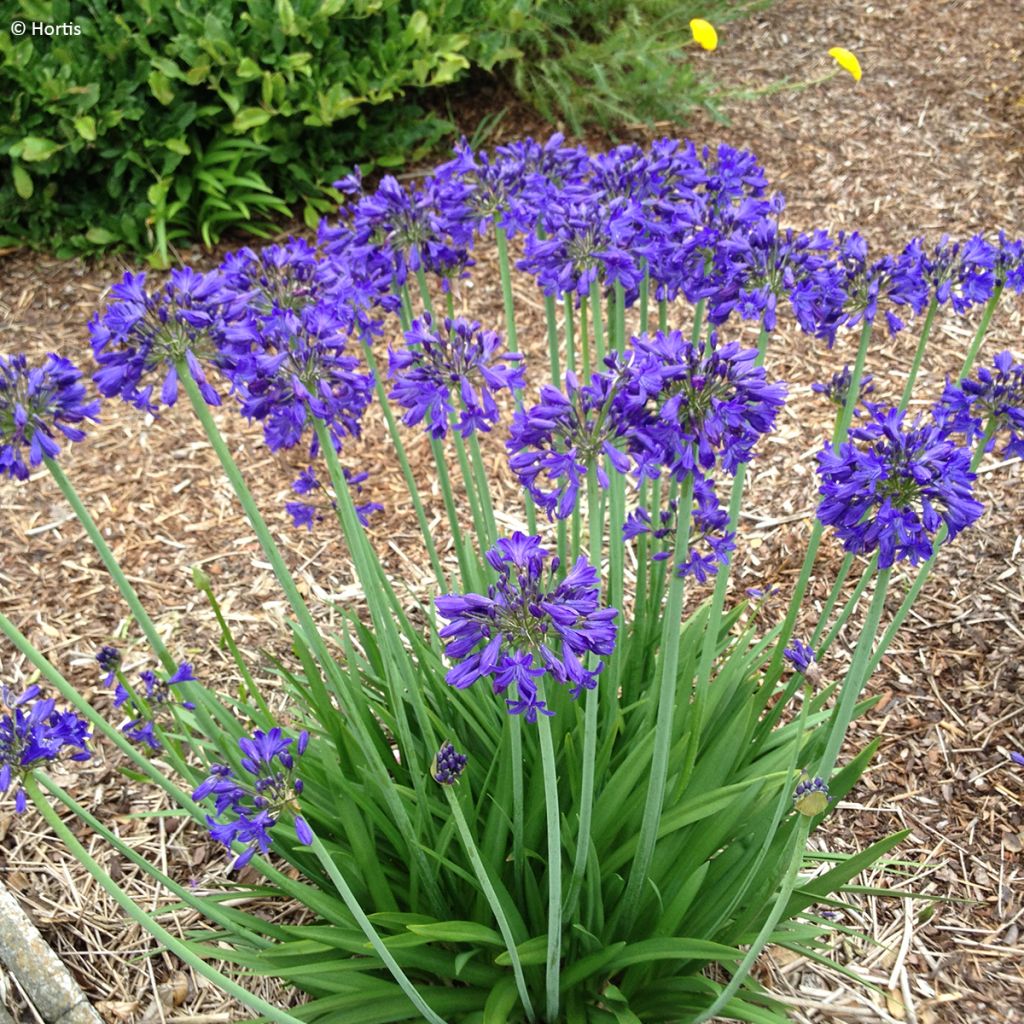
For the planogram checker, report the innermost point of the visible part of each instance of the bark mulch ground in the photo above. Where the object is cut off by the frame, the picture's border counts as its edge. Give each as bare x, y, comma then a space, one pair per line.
930, 142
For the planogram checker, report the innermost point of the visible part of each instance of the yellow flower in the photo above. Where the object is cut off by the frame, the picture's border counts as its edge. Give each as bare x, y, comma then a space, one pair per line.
846, 60
704, 33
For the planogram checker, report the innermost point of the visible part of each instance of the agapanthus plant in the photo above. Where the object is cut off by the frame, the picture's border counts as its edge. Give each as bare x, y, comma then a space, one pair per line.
650, 735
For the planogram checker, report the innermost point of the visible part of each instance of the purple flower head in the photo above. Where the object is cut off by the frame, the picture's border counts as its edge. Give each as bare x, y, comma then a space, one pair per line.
250, 802
710, 543
455, 366
962, 274
409, 229
995, 398
553, 445
811, 797
891, 487
145, 333
801, 656
305, 513
527, 625
838, 388
710, 403
1010, 263
147, 705
34, 734
586, 241
33, 401
1016, 757
298, 369
762, 264
109, 660
448, 765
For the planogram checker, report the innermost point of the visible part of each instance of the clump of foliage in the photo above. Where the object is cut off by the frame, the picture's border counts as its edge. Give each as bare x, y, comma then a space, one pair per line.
174, 120
609, 63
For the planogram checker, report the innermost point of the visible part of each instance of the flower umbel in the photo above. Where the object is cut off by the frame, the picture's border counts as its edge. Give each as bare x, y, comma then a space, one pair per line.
453, 366
33, 733
251, 804
33, 401
527, 627
893, 490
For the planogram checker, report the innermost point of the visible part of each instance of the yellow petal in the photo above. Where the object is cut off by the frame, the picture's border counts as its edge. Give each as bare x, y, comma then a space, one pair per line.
846, 60
704, 33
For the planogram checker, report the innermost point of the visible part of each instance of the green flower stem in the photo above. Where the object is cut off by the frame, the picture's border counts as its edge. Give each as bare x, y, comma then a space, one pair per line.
570, 333
453, 518
979, 337
668, 684
407, 474
421, 281
554, 955
596, 307
923, 572
619, 317
483, 492
518, 799
856, 678
645, 298
919, 354
698, 321
551, 317
252, 513
477, 499
487, 886
140, 917
799, 841
511, 339
585, 338
851, 603
839, 433
591, 702
126, 589
371, 933
247, 690
662, 315
833, 597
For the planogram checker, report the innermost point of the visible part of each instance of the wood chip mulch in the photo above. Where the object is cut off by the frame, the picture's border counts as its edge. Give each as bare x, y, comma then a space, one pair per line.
930, 142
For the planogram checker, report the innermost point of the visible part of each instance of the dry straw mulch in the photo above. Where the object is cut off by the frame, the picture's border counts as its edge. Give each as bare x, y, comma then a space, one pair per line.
929, 142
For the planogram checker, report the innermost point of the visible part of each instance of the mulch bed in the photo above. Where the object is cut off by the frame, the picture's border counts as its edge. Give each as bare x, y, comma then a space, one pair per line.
930, 142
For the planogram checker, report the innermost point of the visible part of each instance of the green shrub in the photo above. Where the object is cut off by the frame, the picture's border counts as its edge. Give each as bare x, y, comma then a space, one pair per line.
166, 120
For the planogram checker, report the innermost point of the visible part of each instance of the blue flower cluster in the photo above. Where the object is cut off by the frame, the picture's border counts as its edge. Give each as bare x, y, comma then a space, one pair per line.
838, 388
528, 625
251, 805
892, 491
458, 357
33, 733
153, 332
995, 401
34, 402
146, 705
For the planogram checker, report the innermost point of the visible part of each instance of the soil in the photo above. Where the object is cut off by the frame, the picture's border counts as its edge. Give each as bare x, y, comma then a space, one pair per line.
929, 142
